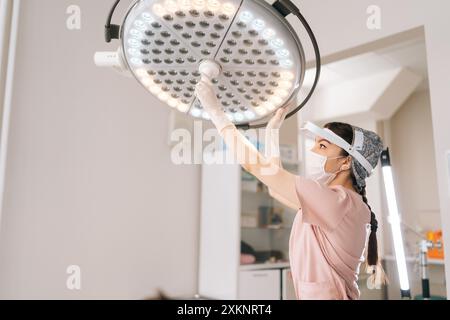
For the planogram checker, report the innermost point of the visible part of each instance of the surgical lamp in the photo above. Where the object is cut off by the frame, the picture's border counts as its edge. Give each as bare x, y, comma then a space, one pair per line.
248, 48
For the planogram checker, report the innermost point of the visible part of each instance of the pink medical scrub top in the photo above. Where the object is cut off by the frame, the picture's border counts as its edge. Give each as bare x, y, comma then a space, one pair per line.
327, 241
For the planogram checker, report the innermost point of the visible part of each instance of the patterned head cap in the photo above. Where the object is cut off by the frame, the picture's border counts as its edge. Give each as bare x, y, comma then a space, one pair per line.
370, 146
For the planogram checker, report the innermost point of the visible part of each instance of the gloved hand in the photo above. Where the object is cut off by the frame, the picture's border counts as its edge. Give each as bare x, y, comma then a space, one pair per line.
205, 93
277, 120
272, 144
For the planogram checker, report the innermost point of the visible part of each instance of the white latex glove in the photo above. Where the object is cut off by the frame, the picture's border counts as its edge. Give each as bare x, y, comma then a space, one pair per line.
277, 120
205, 93
272, 143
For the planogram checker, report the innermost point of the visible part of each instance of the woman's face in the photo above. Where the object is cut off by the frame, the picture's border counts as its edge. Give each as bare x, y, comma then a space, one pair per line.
331, 151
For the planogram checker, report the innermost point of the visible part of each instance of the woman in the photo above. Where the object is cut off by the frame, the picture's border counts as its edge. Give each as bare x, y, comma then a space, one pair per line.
333, 221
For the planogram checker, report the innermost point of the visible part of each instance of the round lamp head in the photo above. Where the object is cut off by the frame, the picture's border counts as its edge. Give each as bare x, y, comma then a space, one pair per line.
259, 58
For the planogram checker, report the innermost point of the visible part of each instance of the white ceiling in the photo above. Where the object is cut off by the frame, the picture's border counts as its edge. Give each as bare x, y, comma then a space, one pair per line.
410, 55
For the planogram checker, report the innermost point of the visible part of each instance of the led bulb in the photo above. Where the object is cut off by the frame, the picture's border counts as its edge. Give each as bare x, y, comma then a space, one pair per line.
184, 5
198, 4
163, 96
133, 51
196, 112
183, 107
213, 5
134, 43
276, 100
172, 102
205, 115
258, 24
286, 63
285, 84
281, 93
246, 16
287, 75
171, 6
136, 34
147, 17
141, 73
238, 117
269, 106
261, 111
136, 61
228, 9
250, 115
155, 89
283, 53
159, 10
140, 25
146, 81
277, 43
268, 34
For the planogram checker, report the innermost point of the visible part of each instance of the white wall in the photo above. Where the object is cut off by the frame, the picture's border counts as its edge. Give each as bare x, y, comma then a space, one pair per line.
413, 157
89, 178
341, 25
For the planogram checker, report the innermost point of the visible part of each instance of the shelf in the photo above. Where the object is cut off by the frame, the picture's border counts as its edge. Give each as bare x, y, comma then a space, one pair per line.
268, 228
436, 261
415, 259
256, 192
263, 194
290, 163
263, 266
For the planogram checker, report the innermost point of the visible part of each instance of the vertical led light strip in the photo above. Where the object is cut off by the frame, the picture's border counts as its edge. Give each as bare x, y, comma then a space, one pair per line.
9, 80
447, 159
394, 220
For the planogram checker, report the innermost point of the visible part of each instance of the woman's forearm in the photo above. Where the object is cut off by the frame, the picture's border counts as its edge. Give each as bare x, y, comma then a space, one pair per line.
272, 153
279, 181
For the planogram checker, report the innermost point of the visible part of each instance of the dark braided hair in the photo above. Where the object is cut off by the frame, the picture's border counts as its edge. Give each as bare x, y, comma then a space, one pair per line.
372, 250
345, 131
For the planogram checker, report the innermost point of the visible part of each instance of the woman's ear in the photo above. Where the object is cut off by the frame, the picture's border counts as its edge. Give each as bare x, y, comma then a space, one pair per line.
347, 164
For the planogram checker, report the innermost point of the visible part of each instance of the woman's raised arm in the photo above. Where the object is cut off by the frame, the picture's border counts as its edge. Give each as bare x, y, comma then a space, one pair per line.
278, 180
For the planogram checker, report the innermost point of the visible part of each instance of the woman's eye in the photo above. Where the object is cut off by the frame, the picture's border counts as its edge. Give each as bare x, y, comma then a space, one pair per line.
322, 145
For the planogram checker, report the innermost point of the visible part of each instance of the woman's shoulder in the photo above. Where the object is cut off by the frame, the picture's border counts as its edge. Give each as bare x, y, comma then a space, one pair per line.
351, 195
346, 190
357, 199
